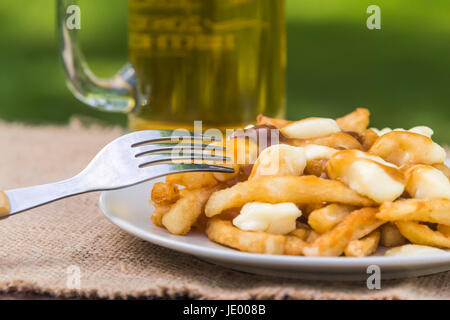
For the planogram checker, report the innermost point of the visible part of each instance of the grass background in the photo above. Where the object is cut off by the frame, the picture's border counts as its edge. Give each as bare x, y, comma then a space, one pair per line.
401, 72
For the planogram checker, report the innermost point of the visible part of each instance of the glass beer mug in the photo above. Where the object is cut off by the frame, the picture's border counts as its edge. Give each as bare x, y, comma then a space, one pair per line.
219, 61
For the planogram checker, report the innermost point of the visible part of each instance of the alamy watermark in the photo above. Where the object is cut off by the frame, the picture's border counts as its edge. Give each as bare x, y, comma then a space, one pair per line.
73, 280
374, 280
73, 21
374, 20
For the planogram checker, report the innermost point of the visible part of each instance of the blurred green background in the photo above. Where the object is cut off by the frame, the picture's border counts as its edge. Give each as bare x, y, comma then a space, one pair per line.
401, 72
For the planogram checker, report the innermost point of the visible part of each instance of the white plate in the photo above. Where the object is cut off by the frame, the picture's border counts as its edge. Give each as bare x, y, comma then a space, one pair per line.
130, 210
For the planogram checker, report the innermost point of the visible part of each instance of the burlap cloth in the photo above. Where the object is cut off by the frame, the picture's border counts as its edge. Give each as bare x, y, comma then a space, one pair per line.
38, 248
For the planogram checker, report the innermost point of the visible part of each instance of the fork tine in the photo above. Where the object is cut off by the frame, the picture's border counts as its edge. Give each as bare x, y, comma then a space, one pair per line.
149, 148
170, 157
165, 169
146, 136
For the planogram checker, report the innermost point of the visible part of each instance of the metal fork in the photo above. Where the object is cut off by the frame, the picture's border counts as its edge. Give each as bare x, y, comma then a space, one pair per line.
131, 159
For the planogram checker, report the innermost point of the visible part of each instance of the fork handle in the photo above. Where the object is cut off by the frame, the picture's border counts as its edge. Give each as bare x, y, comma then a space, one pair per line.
18, 200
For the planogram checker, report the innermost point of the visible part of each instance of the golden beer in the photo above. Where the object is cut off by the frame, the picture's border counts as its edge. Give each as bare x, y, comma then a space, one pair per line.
219, 61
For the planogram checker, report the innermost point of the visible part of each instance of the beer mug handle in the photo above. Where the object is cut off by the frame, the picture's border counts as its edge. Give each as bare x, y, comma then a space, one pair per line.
115, 94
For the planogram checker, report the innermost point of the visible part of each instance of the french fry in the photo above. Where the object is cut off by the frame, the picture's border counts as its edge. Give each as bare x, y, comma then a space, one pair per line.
339, 140
223, 232
279, 123
363, 247
307, 208
293, 246
312, 236
369, 137
432, 210
391, 236
356, 121
183, 214
163, 196
301, 233
356, 225
193, 180
158, 214
421, 234
165, 193
445, 230
324, 219
305, 189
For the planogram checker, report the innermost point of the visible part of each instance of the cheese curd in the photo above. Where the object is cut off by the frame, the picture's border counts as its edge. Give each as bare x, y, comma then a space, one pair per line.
364, 155
400, 147
368, 175
279, 160
423, 130
272, 218
315, 152
413, 250
311, 128
426, 182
